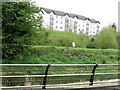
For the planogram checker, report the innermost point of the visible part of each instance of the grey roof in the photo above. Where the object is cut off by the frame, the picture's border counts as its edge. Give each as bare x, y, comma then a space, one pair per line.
60, 13
46, 10
93, 21
81, 17
71, 15
98, 22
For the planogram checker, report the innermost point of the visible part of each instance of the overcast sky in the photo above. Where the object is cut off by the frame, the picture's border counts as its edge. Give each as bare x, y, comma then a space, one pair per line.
105, 11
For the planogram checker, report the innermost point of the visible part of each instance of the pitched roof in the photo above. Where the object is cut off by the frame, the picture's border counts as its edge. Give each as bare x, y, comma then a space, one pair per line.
81, 17
93, 21
98, 22
46, 10
60, 13
71, 15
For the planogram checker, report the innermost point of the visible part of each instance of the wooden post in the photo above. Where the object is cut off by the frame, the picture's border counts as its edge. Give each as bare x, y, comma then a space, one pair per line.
27, 79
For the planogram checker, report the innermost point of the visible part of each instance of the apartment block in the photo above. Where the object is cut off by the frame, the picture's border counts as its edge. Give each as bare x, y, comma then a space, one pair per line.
63, 21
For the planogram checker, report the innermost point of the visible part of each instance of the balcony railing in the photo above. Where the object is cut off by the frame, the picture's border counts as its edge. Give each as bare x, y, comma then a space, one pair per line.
56, 75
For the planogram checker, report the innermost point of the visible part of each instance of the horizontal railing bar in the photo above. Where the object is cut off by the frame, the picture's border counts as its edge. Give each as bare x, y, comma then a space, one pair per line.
108, 64
47, 75
21, 86
105, 73
22, 76
57, 75
69, 75
72, 64
24, 81
58, 64
23, 64
106, 81
79, 83
107, 69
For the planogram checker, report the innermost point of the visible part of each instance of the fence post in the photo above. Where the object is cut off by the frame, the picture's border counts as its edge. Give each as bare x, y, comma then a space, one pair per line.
93, 73
27, 79
45, 78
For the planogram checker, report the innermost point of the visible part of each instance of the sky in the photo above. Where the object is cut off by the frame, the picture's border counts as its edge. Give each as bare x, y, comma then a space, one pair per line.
105, 11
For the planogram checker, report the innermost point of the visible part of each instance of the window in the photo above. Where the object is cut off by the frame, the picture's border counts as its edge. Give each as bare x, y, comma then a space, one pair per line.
75, 31
66, 23
66, 20
75, 24
97, 26
56, 21
87, 29
51, 21
56, 16
87, 24
61, 17
51, 27
97, 30
56, 27
87, 32
60, 27
61, 22
51, 17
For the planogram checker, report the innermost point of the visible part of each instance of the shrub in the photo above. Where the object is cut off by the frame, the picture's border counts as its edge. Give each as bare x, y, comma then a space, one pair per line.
106, 39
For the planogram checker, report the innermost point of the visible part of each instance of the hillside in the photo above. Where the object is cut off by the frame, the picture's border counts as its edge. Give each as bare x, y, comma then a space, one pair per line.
63, 55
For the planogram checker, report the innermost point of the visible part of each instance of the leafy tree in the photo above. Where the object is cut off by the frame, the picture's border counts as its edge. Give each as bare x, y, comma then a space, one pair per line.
107, 38
19, 23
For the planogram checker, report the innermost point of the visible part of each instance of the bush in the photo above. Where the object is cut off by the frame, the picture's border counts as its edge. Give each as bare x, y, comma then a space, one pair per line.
107, 38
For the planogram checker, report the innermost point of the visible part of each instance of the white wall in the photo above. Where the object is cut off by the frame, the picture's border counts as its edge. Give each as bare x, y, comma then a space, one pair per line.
59, 23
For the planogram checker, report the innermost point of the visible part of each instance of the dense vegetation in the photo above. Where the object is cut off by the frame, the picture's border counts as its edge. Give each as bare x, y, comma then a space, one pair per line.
107, 38
18, 27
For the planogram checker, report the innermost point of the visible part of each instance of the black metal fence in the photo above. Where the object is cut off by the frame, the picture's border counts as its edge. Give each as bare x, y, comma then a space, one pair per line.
57, 75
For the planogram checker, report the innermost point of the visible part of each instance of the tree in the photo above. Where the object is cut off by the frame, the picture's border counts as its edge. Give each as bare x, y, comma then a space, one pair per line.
114, 26
19, 23
107, 38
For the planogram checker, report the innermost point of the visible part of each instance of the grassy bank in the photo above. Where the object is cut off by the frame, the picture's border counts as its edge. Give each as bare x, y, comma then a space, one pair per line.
63, 55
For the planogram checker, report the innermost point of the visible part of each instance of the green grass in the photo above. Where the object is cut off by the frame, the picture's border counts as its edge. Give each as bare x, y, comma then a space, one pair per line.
63, 55
57, 38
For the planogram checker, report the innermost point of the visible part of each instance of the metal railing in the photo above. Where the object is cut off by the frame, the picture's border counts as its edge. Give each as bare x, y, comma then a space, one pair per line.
56, 75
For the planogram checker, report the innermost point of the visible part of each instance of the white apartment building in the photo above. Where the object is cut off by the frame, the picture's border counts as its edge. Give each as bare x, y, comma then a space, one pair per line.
62, 21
